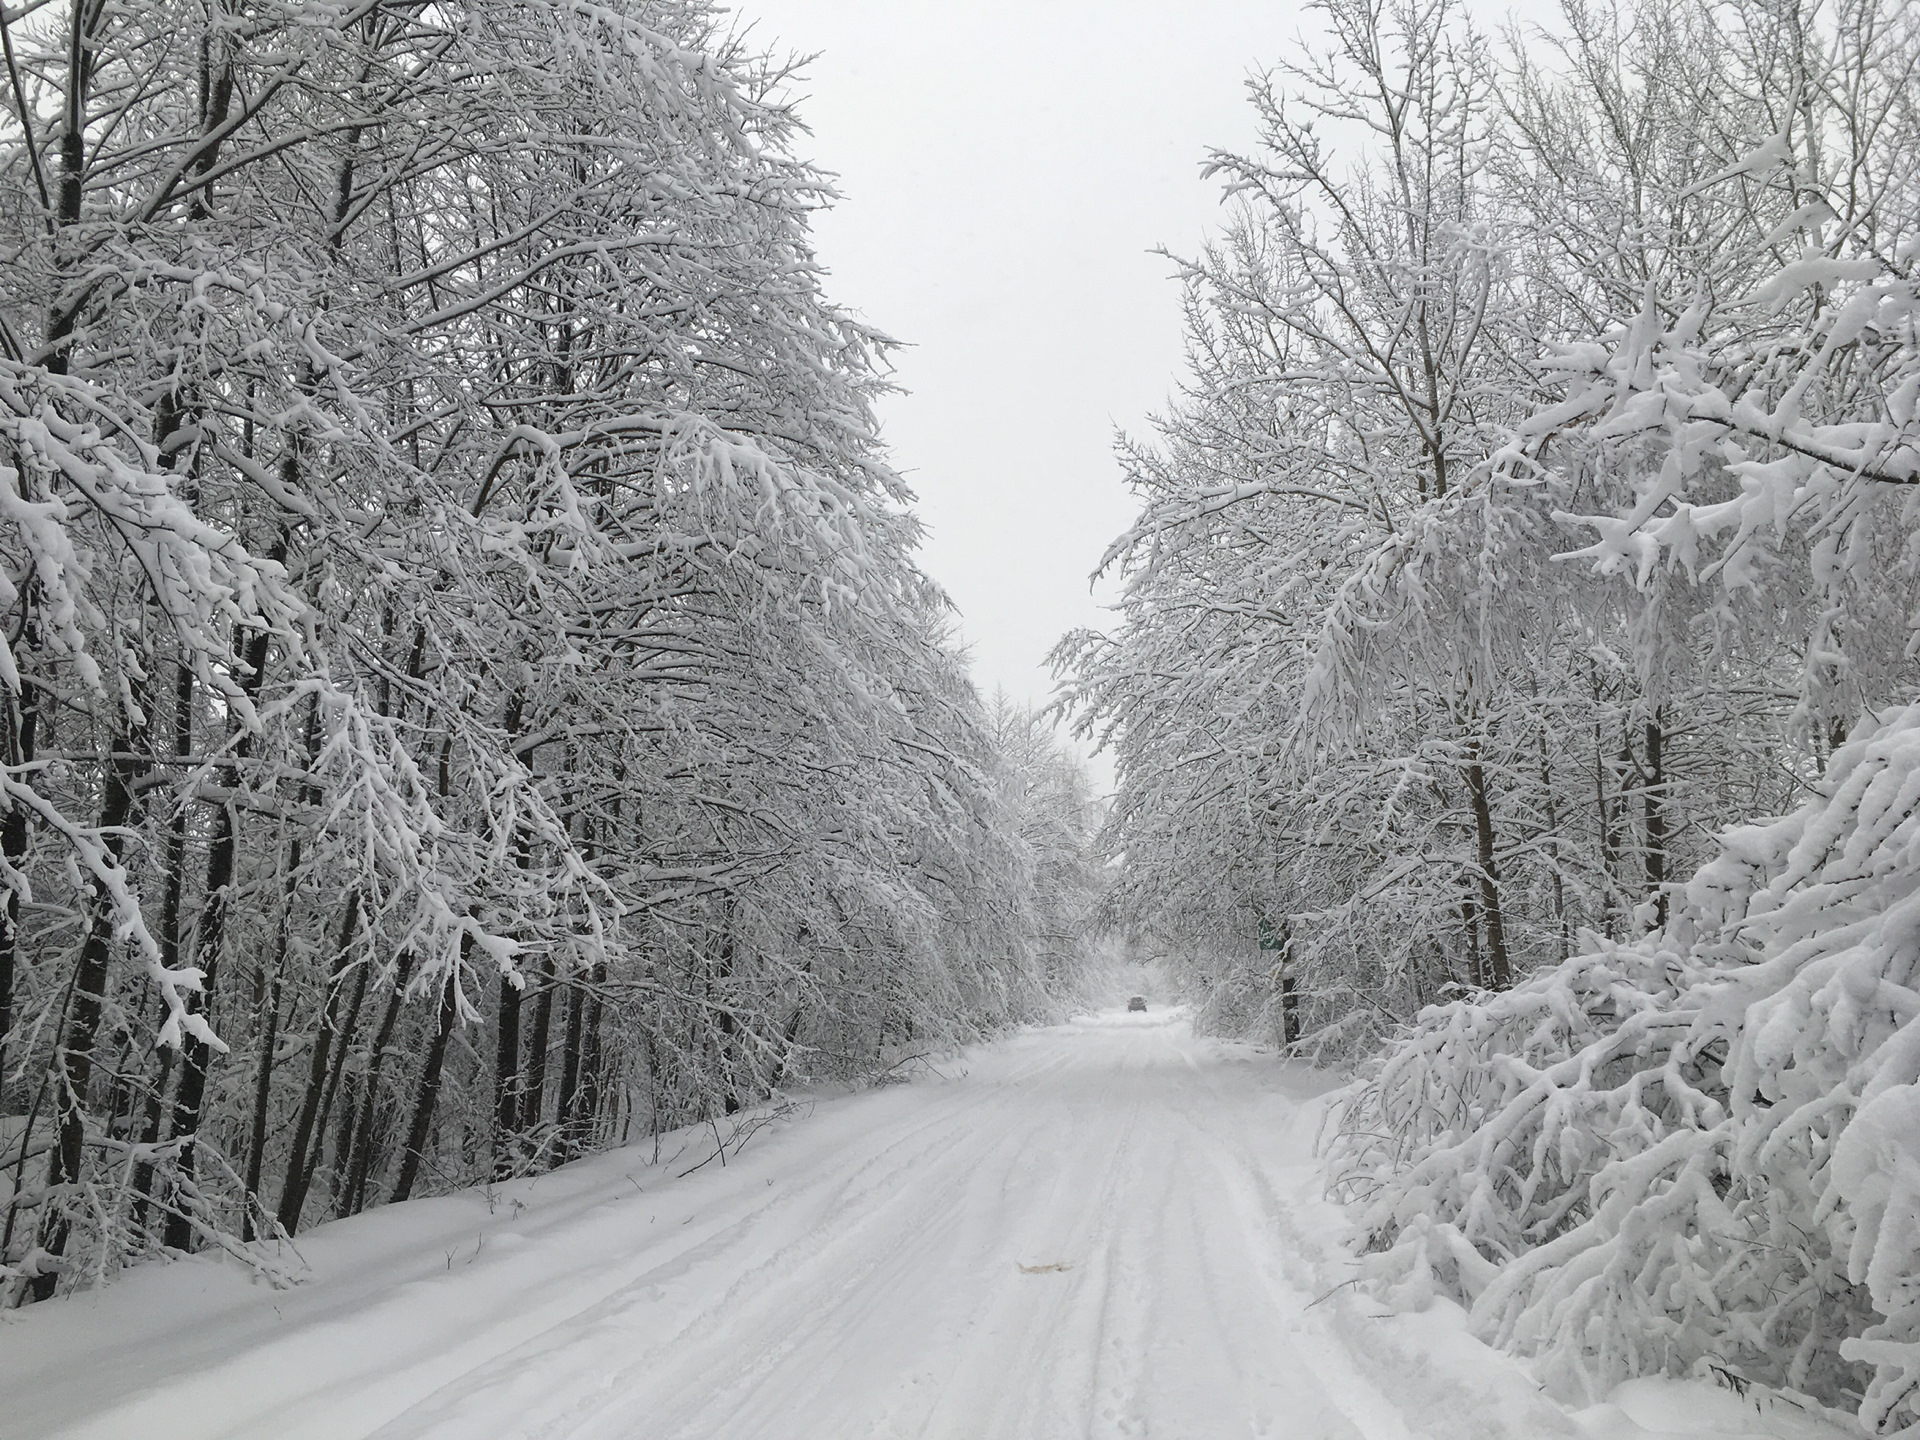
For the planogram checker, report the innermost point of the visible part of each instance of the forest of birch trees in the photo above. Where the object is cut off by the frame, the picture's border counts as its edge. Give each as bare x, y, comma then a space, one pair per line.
467, 694
1519, 630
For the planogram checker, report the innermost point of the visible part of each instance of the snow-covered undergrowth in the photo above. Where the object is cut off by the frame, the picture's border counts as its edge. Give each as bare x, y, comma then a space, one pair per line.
1700, 1149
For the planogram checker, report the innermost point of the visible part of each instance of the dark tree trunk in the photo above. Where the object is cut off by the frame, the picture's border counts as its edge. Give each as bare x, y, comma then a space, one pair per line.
788, 1035
1654, 801
340, 1052
216, 93
727, 1051
73, 1054
1499, 976
270, 1002
293, 1189
569, 1075
1470, 922
196, 1055
534, 1106
360, 1147
83, 43
23, 724
509, 1079
172, 901
352, 1083
1553, 836
427, 1096
149, 1137
1609, 839
730, 1092
120, 1088
587, 1104
506, 1080
1289, 998
263, 1076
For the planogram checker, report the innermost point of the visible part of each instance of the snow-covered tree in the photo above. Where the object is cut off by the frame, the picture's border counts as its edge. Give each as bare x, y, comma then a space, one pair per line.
1357, 683
468, 683
1696, 1146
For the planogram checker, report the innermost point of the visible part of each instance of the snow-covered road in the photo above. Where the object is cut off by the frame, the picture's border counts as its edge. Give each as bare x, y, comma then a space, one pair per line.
1107, 1228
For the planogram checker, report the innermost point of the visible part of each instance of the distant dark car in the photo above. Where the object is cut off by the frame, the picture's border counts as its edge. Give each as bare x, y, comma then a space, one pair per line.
1138, 1002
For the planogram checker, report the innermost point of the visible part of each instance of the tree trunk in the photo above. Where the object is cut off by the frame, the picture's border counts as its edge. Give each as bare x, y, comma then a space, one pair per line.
506, 1080
270, 1008
789, 1033
352, 1085
1609, 841
587, 1102
1654, 802
360, 1147
1498, 975
1289, 998
1470, 922
726, 1050
1553, 835
428, 1094
23, 724
534, 1104
171, 903
569, 1075
263, 1075
340, 1052
216, 90
293, 1189
73, 1053
83, 43
196, 1055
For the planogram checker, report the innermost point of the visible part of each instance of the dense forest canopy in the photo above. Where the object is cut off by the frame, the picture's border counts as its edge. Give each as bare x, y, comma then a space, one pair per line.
1539, 519
469, 695
1535, 502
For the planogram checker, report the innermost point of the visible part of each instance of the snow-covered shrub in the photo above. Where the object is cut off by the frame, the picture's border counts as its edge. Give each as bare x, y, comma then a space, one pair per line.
1703, 1146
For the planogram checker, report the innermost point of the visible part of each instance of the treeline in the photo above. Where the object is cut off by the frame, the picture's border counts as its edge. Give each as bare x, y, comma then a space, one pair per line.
1430, 659
469, 695
1536, 525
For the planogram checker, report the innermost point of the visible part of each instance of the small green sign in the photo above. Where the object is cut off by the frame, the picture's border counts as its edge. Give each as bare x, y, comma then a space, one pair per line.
1270, 938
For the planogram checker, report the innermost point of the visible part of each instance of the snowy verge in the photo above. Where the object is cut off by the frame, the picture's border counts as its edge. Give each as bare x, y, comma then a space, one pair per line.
1697, 1152
1424, 1350
399, 1295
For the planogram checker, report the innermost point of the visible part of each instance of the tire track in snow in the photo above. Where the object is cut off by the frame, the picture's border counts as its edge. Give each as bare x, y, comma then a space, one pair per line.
900, 1311
725, 1286
856, 1275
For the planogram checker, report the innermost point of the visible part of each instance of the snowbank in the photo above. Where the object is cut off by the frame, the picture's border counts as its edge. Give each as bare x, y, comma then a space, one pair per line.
1696, 1154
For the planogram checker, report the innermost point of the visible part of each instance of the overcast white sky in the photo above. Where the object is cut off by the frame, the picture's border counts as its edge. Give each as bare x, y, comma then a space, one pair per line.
1007, 169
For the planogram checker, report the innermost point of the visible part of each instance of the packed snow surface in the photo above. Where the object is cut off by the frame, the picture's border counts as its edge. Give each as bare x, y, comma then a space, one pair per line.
1105, 1229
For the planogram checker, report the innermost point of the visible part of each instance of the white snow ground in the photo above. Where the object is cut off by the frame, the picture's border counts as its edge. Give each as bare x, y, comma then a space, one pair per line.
1104, 1229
